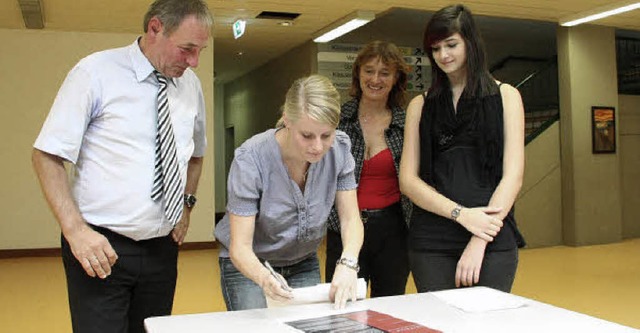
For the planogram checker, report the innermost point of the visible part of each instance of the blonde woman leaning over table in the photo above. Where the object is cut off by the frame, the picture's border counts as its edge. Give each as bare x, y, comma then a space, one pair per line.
282, 184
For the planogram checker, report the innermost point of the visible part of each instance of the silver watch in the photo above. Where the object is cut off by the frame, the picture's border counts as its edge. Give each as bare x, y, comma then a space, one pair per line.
455, 213
190, 200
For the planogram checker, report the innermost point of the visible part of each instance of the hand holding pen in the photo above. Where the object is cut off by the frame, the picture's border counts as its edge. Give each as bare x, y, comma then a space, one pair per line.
275, 286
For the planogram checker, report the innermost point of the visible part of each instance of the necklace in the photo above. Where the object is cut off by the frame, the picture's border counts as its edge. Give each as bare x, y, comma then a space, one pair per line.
304, 175
365, 117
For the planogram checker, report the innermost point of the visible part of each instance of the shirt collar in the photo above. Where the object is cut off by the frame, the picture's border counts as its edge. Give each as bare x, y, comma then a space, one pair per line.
141, 65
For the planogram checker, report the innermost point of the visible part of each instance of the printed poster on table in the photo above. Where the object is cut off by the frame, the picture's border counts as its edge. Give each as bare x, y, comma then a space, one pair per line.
361, 321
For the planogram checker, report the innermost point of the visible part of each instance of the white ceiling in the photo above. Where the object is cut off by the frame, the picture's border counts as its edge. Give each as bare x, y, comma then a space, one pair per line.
265, 39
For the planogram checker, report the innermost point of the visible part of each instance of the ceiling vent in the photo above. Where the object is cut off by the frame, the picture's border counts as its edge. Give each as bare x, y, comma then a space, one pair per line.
278, 16
32, 13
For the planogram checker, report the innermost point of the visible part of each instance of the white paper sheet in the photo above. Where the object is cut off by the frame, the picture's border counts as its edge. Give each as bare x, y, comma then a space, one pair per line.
316, 294
479, 299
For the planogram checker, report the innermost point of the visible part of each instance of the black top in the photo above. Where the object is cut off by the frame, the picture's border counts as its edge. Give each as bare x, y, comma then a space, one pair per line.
461, 157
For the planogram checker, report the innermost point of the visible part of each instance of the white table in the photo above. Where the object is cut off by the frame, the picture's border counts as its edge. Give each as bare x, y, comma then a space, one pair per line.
429, 309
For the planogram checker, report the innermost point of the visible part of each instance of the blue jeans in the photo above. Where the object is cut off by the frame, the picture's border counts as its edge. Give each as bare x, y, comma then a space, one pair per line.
240, 293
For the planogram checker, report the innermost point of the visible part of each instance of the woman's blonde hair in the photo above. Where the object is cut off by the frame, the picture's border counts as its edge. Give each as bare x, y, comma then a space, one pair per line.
314, 96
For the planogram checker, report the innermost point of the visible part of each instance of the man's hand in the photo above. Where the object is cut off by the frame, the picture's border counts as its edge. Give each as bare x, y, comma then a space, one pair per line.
179, 232
93, 251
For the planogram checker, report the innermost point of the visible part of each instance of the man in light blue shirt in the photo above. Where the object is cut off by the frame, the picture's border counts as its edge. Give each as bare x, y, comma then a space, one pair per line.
118, 247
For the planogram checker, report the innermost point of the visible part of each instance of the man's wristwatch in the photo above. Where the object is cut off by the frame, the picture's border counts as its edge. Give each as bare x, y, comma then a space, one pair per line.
190, 200
455, 213
351, 263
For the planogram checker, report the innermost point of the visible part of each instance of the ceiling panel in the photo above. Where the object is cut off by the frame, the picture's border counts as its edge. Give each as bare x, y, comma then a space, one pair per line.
265, 39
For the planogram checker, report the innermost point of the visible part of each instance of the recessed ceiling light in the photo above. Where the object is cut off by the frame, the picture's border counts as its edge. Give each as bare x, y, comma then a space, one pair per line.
239, 53
348, 23
285, 23
600, 12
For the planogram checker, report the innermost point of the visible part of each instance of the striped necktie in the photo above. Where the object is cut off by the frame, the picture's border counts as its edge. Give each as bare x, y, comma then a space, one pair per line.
167, 182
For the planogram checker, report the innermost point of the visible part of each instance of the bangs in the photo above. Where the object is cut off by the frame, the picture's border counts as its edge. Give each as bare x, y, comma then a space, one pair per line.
439, 30
385, 59
389, 60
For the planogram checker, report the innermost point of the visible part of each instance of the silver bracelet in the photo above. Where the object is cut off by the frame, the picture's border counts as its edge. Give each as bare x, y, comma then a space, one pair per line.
351, 263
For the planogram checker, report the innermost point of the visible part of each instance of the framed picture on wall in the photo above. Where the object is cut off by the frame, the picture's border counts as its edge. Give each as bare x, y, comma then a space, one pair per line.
603, 129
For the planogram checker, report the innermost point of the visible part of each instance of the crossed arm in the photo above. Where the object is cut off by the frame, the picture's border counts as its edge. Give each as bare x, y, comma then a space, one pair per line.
468, 270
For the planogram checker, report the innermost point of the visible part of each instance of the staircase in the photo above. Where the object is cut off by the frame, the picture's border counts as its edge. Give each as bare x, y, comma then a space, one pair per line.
537, 81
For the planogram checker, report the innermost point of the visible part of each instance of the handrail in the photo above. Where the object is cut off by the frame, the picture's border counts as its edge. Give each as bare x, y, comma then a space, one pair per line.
541, 129
505, 60
550, 62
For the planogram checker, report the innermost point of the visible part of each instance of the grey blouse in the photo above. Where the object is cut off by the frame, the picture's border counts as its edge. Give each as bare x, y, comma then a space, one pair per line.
289, 224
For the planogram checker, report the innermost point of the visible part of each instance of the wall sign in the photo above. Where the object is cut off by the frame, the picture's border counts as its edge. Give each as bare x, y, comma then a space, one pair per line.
335, 61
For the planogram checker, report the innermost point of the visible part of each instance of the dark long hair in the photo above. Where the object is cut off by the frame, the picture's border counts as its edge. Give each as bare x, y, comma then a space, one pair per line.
390, 55
444, 23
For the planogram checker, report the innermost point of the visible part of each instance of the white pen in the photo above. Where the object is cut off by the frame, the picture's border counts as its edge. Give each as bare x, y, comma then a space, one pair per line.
279, 278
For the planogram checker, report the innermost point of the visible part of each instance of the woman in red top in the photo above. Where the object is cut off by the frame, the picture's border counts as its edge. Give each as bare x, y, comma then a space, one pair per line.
374, 120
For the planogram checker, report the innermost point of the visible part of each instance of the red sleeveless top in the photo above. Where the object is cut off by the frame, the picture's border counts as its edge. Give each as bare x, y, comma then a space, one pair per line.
379, 186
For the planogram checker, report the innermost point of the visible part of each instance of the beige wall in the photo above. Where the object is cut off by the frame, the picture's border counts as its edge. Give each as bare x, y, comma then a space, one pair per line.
33, 64
539, 204
629, 121
591, 195
252, 102
219, 158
